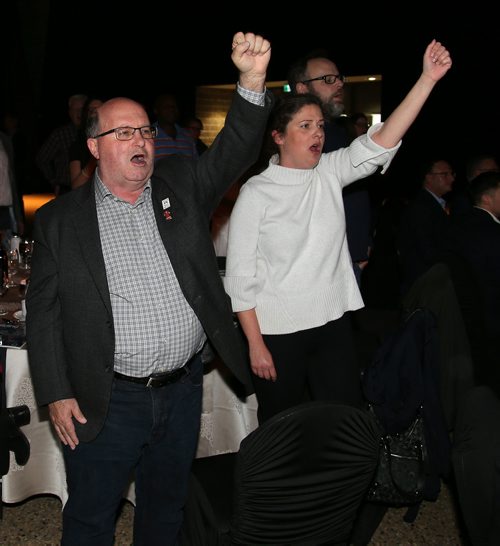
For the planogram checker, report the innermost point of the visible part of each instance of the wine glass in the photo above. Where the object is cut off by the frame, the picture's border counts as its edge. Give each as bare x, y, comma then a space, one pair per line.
25, 251
12, 267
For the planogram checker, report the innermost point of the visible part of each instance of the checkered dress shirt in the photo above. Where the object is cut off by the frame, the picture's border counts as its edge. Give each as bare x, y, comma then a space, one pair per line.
155, 328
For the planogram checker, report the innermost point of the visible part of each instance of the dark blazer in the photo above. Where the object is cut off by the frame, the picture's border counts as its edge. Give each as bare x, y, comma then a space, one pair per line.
423, 237
357, 206
70, 328
477, 242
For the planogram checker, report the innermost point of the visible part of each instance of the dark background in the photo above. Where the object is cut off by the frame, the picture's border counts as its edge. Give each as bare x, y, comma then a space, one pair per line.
54, 49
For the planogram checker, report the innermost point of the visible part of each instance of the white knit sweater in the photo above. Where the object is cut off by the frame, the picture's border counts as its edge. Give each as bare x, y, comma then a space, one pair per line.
287, 252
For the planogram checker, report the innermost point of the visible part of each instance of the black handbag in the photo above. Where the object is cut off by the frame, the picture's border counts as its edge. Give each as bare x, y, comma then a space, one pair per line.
401, 472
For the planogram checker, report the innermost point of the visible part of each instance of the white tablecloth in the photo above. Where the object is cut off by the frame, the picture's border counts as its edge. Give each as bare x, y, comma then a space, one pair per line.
225, 418
225, 421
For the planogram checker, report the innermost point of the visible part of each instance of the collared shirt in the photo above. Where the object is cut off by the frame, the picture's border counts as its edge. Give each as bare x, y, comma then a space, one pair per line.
251, 96
440, 200
182, 144
156, 330
490, 213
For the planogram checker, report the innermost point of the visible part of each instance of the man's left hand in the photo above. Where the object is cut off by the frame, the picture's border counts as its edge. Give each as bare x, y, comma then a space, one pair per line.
251, 55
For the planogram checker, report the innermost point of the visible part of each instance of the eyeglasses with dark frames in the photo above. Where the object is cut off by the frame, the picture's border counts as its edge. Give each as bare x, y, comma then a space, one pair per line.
444, 173
329, 79
127, 133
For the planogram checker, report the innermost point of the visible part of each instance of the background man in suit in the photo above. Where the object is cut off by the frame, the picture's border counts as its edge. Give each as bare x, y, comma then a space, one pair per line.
476, 448
315, 73
124, 292
425, 223
476, 239
461, 199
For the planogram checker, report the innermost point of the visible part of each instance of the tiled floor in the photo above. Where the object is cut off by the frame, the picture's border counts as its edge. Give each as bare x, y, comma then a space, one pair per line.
37, 522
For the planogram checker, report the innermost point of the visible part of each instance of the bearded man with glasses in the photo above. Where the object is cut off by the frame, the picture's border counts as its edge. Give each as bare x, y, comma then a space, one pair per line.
315, 73
124, 292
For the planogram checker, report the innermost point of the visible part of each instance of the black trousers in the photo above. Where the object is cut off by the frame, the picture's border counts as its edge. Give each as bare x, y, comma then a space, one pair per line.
476, 463
320, 362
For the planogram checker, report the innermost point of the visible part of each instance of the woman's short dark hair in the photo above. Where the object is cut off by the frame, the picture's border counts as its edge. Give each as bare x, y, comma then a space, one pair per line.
287, 106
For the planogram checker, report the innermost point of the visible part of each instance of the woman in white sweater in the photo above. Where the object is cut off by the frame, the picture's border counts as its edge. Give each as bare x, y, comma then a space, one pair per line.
288, 269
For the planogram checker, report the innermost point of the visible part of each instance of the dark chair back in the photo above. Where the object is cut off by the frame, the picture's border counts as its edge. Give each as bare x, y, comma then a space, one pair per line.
297, 479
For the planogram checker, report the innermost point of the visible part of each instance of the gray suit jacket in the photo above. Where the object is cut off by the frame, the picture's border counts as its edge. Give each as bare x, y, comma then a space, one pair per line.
70, 328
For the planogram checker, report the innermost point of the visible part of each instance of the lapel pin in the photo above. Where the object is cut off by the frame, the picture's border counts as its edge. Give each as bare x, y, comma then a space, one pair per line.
165, 203
167, 215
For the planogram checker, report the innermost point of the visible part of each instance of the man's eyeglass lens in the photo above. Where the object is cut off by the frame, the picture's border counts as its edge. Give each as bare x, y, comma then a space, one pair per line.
127, 133
330, 79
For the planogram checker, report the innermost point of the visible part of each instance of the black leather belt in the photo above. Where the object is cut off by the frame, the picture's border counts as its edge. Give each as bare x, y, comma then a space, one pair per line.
156, 380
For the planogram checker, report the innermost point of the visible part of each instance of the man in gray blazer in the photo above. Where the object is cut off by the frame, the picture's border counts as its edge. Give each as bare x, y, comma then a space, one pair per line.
124, 292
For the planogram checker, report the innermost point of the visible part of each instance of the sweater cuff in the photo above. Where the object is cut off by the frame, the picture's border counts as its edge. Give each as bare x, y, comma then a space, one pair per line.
383, 156
242, 291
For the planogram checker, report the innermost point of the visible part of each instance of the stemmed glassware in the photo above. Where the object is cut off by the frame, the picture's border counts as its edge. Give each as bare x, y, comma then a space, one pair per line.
25, 252
12, 264
12, 267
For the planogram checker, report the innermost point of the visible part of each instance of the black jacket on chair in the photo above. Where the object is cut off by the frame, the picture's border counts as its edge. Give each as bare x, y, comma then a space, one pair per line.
405, 377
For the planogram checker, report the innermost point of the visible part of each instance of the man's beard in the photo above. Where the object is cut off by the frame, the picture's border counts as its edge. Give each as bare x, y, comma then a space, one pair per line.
333, 109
